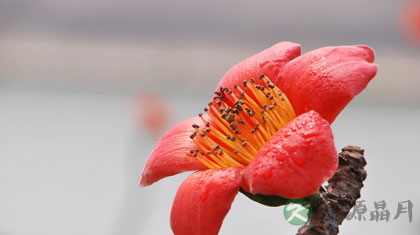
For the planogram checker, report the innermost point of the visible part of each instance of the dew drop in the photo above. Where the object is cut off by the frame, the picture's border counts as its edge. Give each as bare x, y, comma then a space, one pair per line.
267, 175
308, 134
203, 196
280, 157
299, 161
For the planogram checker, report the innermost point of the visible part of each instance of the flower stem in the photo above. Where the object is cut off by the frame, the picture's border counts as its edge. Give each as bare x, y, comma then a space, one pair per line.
339, 196
314, 199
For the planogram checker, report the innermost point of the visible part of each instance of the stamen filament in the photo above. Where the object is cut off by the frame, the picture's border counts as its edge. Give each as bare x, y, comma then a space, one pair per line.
240, 123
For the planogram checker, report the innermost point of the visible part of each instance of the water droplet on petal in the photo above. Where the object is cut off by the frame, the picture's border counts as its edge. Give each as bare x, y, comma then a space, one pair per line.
267, 175
203, 196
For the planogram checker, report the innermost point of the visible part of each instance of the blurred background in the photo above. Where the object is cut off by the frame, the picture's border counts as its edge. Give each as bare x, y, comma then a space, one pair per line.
87, 87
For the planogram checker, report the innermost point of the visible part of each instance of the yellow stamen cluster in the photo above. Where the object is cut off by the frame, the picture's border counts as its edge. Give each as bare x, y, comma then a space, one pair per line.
240, 122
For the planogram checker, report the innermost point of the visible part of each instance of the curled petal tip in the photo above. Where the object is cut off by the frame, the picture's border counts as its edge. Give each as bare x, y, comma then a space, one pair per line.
170, 155
142, 182
327, 79
369, 53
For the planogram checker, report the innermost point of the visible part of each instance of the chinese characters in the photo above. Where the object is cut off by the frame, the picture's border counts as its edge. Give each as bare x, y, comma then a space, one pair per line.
381, 213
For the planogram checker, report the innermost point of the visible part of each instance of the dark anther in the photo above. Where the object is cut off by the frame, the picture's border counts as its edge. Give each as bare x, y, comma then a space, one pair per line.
230, 118
255, 128
261, 76
264, 119
193, 135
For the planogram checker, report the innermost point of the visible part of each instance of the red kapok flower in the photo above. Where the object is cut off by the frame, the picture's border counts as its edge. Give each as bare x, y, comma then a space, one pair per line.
147, 106
410, 20
266, 131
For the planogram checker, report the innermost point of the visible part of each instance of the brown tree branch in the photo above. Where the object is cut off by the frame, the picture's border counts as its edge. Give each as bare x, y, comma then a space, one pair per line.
339, 196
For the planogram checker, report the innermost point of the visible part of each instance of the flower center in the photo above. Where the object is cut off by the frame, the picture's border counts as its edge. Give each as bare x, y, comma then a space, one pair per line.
239, 122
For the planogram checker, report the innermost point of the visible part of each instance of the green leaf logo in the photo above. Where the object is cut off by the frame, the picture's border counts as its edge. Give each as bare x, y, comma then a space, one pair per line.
297, 211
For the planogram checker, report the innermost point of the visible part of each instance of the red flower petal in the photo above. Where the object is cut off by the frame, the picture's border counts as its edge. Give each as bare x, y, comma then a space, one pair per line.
296, 160
269, 62
170, 155
203, 200
327, 79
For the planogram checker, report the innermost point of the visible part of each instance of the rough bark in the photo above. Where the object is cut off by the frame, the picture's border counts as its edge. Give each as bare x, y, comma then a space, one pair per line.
339, 196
